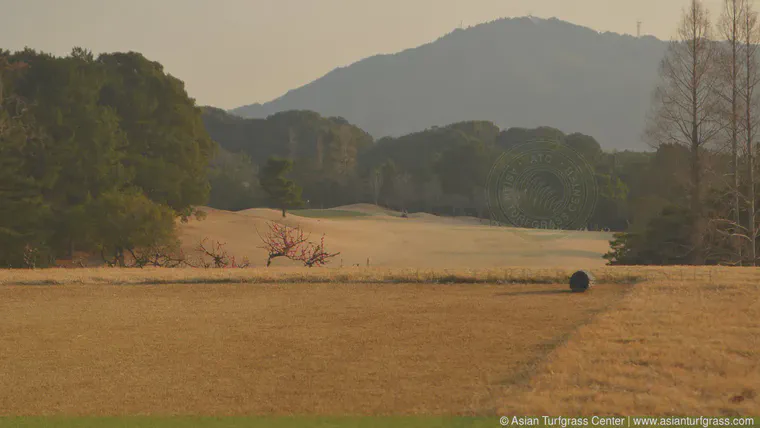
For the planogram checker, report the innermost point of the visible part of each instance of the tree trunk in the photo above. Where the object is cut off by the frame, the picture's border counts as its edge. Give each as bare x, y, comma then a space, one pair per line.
687, 103
751, 75
696, 172
734, 39
751, 215
120, 256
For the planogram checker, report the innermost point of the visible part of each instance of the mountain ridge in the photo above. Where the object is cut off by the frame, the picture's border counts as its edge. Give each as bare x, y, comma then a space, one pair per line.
515, 72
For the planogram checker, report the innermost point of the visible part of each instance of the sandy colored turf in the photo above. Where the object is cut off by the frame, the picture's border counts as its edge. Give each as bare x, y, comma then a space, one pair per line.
329, 349
420, 242
679, 346
452, 318
681, 341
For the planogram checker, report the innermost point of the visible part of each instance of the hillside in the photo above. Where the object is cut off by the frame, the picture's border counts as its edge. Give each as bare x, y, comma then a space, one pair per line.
360, 232
520, 72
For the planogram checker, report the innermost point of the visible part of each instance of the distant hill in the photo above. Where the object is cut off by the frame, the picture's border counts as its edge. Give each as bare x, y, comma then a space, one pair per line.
521, 72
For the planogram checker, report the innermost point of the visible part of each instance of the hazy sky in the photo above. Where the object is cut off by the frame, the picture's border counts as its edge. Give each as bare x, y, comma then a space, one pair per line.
236, 52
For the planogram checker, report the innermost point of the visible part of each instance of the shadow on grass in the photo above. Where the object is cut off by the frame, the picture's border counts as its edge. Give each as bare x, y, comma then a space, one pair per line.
535, 293
319, 213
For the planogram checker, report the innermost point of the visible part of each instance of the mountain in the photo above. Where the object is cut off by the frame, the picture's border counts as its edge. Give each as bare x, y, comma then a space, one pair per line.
517, 72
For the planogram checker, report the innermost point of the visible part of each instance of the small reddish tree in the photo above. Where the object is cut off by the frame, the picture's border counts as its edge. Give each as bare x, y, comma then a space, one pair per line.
282, 241
314, 254
219, 256
290, 242
157, 256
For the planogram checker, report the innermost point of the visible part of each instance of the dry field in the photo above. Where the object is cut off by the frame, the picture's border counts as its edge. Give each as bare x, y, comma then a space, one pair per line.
388, 241
236, 349
672, 347
393, 339
108, 342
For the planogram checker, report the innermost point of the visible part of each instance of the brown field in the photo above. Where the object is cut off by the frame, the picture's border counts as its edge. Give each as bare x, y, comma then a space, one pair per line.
673, 347
421, 242
387, 340
230, 349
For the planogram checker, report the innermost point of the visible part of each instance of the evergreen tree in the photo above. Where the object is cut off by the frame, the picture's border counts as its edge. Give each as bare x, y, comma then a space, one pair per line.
169, 149
283, 192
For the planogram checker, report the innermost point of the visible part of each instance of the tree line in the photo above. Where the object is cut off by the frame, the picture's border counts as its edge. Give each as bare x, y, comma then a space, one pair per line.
104, 154
706, 107
692, 200
441, 170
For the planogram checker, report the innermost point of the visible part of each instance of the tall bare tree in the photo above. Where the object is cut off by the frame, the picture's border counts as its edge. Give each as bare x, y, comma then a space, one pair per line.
751, 120
686, 107
730, 27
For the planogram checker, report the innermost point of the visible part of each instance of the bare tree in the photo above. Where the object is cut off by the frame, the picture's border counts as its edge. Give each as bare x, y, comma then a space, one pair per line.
730, 26
686, 110
743, 46
751, 39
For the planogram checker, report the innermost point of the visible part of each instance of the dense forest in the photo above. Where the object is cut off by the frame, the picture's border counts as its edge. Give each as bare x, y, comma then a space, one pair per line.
441, 170
97, 154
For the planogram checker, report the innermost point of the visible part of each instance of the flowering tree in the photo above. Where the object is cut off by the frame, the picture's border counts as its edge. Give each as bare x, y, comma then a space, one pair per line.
282, 241
314, 254
290, 242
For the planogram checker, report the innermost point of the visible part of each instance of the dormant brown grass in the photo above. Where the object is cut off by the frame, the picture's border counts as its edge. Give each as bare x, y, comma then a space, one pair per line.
241, 349
671, 347
449, 318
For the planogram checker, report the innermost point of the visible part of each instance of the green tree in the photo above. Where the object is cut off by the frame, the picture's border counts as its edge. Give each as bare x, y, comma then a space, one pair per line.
234, 182
127, 221
85, 142
169, 149
283, 192
464, 167
83, 156
586, 146
611, 207
665, 241
23, 211
516, 136
389, 193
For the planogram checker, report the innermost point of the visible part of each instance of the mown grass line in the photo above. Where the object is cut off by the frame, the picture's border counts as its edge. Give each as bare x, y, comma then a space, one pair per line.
106, 276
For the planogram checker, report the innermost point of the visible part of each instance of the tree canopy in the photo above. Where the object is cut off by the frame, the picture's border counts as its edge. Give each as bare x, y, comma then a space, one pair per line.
84, 138
283, 192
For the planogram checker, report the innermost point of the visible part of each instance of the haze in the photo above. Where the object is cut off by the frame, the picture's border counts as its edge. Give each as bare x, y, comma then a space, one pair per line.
237, 52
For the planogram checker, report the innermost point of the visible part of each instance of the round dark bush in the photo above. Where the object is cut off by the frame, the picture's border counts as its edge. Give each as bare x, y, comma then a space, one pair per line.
581, 281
